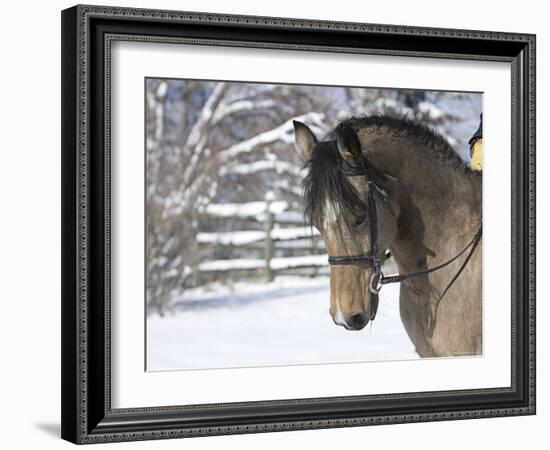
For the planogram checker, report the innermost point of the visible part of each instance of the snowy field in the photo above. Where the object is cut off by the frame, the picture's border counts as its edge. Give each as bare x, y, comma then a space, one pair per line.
280, 323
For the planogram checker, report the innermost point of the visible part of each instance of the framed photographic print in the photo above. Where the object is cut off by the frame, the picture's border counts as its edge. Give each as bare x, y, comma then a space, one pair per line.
268, 222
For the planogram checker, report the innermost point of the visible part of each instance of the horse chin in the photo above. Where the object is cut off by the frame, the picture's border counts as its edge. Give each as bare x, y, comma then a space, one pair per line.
356, 328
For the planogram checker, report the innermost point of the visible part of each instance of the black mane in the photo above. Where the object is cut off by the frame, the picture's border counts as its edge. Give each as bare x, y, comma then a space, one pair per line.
325, 183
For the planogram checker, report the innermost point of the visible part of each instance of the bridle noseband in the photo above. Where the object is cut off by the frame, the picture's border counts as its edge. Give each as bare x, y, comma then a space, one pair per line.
378, 279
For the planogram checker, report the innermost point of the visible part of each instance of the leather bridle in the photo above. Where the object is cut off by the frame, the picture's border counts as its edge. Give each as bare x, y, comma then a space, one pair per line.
378, 279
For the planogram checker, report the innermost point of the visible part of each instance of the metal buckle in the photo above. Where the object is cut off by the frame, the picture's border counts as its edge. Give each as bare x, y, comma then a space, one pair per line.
376, 289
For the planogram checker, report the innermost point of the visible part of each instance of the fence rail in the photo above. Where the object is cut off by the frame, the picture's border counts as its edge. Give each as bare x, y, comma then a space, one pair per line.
281, 241
238, 238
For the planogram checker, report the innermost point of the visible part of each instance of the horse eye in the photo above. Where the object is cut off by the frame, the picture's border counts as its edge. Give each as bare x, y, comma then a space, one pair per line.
360, 221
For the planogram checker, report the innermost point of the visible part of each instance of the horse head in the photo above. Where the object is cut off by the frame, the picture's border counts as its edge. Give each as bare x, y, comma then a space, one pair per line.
340, 177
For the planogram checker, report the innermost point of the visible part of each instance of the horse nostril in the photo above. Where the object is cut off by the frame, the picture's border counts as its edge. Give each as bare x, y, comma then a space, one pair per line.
358, 321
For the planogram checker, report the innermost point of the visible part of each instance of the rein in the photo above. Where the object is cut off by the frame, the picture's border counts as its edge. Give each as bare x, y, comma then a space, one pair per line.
378, 279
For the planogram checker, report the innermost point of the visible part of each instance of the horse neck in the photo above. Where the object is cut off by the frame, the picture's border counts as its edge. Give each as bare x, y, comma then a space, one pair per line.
439, 203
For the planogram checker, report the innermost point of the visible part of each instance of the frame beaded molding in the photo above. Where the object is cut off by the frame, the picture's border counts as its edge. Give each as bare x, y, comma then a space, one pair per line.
300, 425
84, 13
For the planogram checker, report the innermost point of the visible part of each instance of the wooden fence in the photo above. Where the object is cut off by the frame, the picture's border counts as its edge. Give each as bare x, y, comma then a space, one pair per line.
267, 238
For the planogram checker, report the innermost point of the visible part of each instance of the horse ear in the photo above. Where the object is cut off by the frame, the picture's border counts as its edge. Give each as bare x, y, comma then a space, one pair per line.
304, 139
349, 145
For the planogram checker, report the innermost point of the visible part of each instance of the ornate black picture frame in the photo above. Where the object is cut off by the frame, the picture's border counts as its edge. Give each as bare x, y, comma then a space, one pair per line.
87, 34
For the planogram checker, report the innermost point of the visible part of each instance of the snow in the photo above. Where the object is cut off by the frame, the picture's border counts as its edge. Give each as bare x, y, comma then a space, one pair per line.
237, 238
245, 210
289, 262
384, 103
222, 265
270, 196
162, 89
430, 110
281, 323
286, 234
298, 261
301, 244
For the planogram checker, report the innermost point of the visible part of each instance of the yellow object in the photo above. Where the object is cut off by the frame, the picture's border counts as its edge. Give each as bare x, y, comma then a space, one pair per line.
476, 152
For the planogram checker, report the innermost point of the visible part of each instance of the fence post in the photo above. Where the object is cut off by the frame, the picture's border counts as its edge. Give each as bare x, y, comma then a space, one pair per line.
195, 255
268, 251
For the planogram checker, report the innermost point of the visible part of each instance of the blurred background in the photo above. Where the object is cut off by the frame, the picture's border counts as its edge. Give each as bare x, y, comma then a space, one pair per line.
235, 276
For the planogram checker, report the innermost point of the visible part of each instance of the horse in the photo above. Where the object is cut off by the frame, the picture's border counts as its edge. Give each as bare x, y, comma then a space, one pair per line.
377, 186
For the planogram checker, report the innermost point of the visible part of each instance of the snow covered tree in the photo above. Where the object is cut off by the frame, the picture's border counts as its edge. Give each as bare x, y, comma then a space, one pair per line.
200, 136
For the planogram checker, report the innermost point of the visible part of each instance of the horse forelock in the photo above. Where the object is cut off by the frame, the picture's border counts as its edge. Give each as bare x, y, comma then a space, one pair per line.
327, 192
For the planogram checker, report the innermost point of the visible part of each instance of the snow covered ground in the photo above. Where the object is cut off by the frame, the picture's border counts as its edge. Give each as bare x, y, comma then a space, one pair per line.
280, 323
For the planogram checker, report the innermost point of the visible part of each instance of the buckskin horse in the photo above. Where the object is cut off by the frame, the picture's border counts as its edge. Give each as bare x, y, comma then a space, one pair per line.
380, 184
